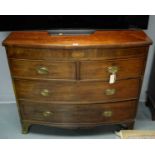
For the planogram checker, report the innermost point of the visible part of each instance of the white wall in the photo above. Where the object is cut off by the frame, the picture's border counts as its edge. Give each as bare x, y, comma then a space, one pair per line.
151, 34
6, 91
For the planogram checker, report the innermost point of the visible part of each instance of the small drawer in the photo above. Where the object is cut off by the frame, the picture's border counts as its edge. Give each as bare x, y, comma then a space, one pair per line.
122, 68
81, 92
73, 113
39, 69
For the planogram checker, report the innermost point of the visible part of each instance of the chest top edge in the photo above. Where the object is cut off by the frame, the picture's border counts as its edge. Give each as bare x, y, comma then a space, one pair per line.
99, 39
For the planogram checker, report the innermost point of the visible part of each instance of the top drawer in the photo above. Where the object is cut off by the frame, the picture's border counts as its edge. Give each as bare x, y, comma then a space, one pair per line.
82, 54
122, 68
40, 69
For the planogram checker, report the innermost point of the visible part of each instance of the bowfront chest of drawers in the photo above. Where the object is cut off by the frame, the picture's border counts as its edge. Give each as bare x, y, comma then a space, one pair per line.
77, 81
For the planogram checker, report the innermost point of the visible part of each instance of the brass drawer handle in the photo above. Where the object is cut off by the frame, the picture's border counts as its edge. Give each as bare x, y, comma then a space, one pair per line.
110, 91
45, 92
77, 54
42, 70
47, 113
107, 113
113, 69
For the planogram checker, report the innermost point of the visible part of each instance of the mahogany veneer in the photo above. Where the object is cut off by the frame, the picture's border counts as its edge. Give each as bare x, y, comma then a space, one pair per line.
63, 81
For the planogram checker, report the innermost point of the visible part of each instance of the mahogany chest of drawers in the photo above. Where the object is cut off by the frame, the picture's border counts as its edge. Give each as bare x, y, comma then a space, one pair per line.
77, 81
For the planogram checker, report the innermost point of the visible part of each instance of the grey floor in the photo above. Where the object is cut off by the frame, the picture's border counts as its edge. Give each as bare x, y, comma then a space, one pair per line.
10, 127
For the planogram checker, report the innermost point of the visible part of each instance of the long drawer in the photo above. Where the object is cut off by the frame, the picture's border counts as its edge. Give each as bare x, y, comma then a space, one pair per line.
77, 91
123, 68
75, 53
40, 69
96, 113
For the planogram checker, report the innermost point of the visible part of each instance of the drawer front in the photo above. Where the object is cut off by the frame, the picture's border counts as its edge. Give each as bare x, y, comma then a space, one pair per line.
124, 68
77, 91
42, 69
70, 113
88, 53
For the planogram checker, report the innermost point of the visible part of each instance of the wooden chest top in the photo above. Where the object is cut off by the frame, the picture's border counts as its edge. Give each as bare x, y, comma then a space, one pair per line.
105, 39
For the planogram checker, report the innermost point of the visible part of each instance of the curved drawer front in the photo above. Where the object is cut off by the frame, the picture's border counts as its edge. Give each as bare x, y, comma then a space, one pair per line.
96, 113
77, 91
42, 69
75, 53
126, 68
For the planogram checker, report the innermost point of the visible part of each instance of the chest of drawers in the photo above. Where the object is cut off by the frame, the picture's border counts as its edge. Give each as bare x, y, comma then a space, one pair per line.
77, 81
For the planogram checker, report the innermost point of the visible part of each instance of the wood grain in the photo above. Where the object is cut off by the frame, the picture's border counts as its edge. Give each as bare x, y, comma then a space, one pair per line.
29, 69
67, 54
127, 68
123, 38
121, 111
76, 91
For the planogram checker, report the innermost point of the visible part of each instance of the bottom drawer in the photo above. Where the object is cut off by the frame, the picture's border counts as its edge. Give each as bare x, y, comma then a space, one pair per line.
72, 113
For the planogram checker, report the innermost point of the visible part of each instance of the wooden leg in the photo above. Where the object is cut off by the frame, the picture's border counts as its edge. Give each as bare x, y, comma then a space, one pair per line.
128, 125
150, 104
147, 102
153, 116
25, 127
